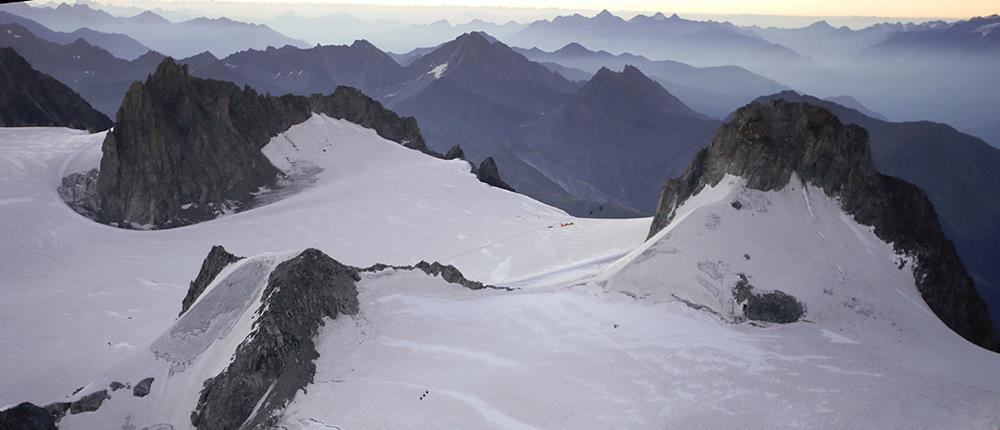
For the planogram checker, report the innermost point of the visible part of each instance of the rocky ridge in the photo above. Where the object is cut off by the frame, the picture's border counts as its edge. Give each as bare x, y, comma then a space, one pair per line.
766, 143
275, 363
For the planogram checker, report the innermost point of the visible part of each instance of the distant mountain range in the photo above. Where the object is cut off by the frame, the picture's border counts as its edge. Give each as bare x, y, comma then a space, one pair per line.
221, 36
715, 91
976, 36
694, 42
699, 43
119, 45
392, 35
825, 42
31, 98
101, 78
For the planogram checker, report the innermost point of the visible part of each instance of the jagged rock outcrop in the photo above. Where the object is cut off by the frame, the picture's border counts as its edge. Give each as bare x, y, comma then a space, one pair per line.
766, 143
218, 258
29, 98
27, 416
455, 152
449, 273
768, 306
89, 403
277, 361
488, 173
142, 388
185, 149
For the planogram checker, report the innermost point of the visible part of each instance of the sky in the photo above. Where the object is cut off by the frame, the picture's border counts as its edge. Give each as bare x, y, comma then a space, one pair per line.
831, 8
902, 8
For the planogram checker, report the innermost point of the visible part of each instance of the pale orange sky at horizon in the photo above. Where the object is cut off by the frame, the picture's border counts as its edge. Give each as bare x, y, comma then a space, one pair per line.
839, 8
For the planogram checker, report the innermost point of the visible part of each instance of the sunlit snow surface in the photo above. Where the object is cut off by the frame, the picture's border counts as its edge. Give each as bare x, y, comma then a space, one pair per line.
595, 337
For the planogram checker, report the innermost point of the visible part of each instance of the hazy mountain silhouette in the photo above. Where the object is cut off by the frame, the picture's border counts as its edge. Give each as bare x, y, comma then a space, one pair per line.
715, 91
976, 36
617, 139
118, 45
31, 98
221, 36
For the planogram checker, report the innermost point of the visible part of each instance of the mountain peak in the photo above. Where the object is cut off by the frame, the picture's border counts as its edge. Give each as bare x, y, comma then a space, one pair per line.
204, 56
605, 14
659, 16
363, 44
635, 88
820, 25
629, 76
149, 17
473, 38
80, 43
766, 144
572, 48
632, 72
168, 69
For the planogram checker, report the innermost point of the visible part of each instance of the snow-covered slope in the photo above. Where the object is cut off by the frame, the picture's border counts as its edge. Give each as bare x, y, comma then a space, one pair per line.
600, 331
76, 295
640, 343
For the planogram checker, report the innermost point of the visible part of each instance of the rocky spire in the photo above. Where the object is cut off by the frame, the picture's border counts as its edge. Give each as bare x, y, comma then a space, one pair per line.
766, 143
488, 173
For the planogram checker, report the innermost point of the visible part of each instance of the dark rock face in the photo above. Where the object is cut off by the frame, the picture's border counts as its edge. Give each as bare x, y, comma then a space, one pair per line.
57, 409
27, 416
766, 143
455, 152
278, 359
772, 306
142, 388
184, 149
183, 142
449, 273
89, 403
218, 258
489, 173
959, 173
79, 191
29, 98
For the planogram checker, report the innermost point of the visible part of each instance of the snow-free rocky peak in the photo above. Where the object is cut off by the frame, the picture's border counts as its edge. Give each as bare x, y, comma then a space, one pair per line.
631, 86
625, 133
768, 144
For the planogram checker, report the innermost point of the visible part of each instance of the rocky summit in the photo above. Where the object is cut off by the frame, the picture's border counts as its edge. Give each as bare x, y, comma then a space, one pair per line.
766, 143
185, 149
29, 98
